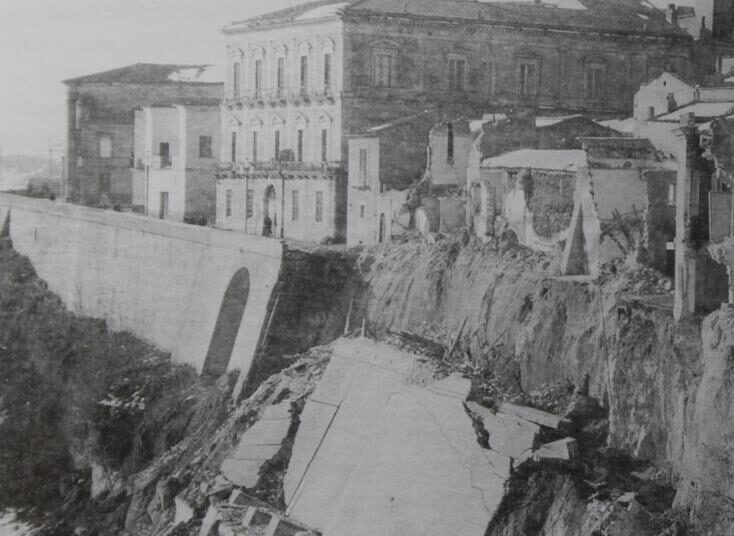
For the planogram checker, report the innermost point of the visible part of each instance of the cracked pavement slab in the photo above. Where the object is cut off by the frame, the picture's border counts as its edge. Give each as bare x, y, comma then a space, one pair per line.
390, 456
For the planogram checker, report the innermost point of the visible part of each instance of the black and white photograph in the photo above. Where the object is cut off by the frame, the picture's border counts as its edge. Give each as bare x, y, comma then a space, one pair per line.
366, 268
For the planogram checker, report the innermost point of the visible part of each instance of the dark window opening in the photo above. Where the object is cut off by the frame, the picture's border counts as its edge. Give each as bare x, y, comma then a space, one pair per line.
450, 143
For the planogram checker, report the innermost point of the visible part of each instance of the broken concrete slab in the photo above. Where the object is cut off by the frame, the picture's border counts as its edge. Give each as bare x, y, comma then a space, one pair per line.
509, 435
260, 443
184, 512
392, 457
534, 415
210, 522
564, 449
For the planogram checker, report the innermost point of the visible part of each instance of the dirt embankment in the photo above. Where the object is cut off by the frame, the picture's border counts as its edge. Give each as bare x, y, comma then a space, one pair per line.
83, 408
664, 391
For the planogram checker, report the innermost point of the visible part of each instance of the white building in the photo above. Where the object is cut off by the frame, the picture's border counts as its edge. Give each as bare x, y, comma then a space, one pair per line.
176, 150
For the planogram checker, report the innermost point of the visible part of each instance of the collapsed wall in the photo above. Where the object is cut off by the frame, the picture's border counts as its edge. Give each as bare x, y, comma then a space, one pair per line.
201, 294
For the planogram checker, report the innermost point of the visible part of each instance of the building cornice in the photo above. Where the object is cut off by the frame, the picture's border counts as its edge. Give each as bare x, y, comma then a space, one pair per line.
473, 26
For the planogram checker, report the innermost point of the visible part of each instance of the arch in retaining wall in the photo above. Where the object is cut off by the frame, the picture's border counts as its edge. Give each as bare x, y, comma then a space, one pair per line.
228, 324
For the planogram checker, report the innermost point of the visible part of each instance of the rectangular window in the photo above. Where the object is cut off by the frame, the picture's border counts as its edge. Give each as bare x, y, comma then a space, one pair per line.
594, 81
258, 77
276, 145
236, 75
324, 144
361, 211
299, 148
294, 207
105, 146
233, 147
205, 147
304, 72
281, 75
450, 143
363, 167
384, 75
457, 68
254, 145
228, 203
164, 151
319, 206
163, 206
528, 78
249, 203
327, 70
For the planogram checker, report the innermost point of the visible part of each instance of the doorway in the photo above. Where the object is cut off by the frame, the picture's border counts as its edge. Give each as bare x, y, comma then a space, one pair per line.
163, 206
270, 212
381, 235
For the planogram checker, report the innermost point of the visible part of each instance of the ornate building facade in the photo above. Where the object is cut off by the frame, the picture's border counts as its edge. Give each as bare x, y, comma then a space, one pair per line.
302, 80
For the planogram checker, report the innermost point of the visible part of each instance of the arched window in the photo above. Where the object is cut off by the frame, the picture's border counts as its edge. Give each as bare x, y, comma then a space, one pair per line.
281, 59
258, 66
327, 63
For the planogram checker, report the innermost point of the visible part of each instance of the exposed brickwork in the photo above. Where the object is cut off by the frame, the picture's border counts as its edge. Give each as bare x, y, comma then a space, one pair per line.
98, 109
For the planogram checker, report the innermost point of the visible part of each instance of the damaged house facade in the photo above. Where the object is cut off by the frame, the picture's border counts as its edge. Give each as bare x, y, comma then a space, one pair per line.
301, 81
610, 199
100, 124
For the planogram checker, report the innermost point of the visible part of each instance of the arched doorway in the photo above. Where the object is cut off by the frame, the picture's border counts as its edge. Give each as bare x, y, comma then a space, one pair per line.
270, 215
228, 324
381, 235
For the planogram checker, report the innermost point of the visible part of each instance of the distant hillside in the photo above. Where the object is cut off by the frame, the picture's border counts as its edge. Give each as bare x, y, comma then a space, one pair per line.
17, 170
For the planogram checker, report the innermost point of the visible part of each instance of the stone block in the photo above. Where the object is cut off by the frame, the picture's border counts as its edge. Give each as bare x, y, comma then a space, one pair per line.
509, 435
184, 512
534, 415
210, 523
564, 449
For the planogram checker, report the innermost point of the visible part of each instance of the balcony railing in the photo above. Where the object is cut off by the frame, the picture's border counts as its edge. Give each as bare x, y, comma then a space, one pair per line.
239, 169
283, 95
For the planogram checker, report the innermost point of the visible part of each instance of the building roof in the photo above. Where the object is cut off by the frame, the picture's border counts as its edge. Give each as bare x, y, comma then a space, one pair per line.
155, 73
621, 16
702, 110
562, 160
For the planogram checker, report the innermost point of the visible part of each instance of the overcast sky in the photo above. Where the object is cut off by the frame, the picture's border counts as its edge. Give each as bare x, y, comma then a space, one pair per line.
45, 41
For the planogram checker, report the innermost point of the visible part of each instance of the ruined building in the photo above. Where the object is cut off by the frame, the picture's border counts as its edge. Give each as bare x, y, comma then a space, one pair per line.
608, 200
301, 80
100, 123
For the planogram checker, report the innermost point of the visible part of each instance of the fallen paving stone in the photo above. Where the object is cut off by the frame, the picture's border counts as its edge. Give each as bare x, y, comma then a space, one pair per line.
508, 434
391, 456
534, 415
564, 449
210, 522
184, 512
260, 443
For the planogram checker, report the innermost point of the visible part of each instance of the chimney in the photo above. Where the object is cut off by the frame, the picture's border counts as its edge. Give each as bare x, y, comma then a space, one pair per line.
671, 15
688, 119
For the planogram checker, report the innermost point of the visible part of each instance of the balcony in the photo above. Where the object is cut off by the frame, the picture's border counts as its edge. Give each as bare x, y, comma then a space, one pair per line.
273, 168
284, 96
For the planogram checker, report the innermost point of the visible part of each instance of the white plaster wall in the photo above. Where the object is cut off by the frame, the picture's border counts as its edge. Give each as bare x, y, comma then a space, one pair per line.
162, 125
363, 230
655, 93
162, 281
172, 181
316, 37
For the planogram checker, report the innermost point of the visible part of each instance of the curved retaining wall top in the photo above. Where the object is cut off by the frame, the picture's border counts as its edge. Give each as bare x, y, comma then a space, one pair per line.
165, 282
